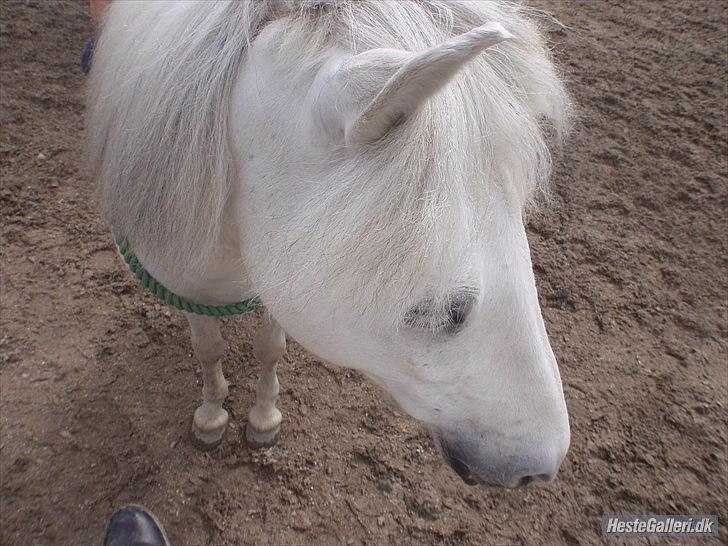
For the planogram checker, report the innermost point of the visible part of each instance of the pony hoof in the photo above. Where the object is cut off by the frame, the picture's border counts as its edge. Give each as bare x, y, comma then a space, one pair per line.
257, 439
202, 445
208, 430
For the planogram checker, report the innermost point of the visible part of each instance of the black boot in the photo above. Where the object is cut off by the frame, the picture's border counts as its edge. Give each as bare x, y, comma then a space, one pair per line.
134, 525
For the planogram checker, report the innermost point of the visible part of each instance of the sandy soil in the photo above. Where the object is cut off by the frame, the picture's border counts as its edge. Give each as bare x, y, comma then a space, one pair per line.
98, 384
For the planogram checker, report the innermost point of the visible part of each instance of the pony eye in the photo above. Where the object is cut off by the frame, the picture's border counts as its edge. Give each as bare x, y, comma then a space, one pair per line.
447, 317
459, 309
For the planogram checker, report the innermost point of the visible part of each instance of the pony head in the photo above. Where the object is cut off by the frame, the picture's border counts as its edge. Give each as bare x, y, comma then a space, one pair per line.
386, 160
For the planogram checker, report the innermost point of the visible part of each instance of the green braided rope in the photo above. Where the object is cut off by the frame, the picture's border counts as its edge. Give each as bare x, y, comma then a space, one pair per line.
170, 298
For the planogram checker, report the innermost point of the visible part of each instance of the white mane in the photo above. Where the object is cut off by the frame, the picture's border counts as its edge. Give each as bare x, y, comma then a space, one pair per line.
159, 131
158, 119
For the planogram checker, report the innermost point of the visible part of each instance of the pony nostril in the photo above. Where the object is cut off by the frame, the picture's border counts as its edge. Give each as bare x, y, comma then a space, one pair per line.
524, 481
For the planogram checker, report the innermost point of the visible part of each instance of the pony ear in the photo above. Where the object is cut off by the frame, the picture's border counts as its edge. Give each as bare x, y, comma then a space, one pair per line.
371, 92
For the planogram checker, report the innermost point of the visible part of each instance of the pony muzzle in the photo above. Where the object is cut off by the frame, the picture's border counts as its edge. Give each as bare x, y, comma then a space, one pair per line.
495, 464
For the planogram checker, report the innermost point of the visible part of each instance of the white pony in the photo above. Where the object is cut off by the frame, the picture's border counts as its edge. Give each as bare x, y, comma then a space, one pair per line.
364, 168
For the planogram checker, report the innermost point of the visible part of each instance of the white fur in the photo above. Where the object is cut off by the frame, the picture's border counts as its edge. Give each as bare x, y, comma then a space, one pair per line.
224, 159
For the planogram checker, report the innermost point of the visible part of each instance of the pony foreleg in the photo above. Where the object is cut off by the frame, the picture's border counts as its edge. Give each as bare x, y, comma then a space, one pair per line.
264, 419
210, 419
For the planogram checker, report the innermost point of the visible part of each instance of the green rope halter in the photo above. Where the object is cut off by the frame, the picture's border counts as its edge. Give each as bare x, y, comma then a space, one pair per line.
170, 298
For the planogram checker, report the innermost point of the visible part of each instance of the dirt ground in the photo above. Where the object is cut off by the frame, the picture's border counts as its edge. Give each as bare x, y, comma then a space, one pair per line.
98, 383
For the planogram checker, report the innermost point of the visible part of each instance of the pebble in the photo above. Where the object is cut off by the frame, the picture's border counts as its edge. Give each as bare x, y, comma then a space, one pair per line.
42, 156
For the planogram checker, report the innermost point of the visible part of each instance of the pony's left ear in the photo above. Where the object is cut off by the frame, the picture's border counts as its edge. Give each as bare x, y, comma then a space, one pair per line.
364, 96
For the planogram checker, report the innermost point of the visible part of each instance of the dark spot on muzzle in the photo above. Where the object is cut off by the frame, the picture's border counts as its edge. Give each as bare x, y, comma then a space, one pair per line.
457, 455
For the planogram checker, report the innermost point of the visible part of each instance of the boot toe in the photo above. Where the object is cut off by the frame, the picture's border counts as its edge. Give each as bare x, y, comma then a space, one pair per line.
134, 525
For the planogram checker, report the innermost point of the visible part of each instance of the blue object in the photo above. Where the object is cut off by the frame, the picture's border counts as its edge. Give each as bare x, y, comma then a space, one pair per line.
88, 53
